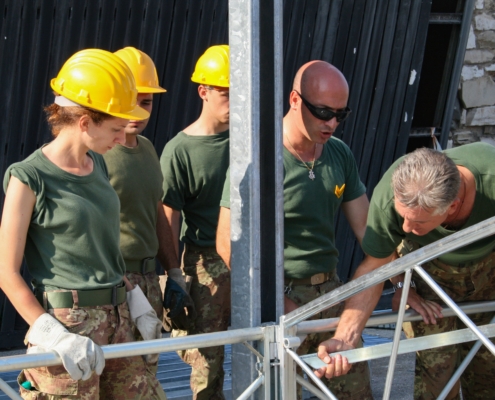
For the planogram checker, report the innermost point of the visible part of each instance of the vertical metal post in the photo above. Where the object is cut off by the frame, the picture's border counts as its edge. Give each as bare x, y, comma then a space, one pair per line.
256, 172
244, 181
467, 16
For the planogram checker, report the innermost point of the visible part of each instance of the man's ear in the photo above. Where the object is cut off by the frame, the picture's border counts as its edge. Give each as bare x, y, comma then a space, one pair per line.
294, 100
202, 91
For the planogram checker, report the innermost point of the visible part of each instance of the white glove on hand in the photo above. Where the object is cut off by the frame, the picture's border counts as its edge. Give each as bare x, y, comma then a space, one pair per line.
176, 275
145, 319
79, 354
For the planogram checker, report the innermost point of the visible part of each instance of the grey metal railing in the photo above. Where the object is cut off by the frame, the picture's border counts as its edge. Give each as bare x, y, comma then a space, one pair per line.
407, 264
279, 358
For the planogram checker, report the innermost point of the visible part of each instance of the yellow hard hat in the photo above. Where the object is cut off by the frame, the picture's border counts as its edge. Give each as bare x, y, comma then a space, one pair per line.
99, 80
143, 69
212, 67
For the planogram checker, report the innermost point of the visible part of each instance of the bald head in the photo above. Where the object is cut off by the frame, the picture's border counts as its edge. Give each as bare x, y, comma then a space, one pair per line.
319, 76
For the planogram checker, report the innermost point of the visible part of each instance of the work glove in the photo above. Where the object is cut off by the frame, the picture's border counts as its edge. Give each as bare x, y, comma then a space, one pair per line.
80, 355
179, 311
145, 319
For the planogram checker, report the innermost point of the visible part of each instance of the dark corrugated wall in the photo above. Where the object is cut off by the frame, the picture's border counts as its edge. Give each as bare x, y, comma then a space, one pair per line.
376, 43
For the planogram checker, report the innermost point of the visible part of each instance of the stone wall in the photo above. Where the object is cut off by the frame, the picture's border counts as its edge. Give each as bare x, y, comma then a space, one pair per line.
477, 86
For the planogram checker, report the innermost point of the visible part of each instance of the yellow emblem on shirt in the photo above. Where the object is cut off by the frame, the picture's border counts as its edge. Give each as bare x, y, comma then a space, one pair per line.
339, 191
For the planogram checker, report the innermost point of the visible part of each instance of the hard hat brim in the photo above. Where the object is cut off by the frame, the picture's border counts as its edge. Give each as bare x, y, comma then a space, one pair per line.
148, 89
137, 114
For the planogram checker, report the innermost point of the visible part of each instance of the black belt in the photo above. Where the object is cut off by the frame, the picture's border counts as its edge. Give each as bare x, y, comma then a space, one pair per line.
82, 298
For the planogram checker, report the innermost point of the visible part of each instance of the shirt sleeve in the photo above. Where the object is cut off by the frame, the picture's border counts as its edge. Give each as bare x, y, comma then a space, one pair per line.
174, 180
225, 201
354, 187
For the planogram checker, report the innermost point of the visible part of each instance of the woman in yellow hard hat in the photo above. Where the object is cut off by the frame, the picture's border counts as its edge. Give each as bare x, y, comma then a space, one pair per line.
61, 213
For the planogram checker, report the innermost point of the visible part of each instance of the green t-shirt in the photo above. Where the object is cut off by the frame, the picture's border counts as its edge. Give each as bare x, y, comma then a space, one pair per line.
194, 169
73, 237
384, 230
310, 207
136, 177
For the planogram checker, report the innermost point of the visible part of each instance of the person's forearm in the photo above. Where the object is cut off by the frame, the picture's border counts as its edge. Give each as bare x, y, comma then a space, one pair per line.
359, 307
223, 235
168, 243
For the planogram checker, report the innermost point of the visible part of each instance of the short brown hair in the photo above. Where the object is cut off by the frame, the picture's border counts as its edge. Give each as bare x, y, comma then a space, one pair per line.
59, 117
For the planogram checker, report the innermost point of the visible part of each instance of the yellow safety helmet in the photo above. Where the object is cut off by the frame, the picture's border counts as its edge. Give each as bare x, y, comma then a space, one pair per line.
99, 80
212, 67
143, 69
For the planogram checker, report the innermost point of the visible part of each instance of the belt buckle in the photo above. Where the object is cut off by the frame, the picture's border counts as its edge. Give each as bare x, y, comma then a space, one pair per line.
144, 262
317, 279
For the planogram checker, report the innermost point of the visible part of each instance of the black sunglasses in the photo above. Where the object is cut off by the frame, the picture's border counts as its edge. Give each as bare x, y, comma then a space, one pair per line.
325, 113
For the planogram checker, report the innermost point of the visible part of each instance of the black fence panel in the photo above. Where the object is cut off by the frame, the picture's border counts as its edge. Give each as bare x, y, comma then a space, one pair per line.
376, 43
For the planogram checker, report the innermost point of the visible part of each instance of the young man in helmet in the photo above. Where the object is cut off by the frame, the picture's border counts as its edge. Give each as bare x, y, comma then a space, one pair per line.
135, 174
194, 164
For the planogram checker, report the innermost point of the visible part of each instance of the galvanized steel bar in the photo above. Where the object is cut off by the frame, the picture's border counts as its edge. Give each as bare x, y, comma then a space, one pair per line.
455, 76
398, 331
424, 254
244, 181
309, 387
13, 363
457, 374
462, 316
383, 317
405, 346
278, 54
9, 391
310, 374
252, 388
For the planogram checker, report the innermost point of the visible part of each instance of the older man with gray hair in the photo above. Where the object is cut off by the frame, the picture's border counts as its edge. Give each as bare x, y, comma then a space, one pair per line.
426, 196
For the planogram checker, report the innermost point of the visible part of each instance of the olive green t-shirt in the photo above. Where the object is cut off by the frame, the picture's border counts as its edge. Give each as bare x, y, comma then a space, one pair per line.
136, 177
73, 237
310, 207
384, 228
194, 169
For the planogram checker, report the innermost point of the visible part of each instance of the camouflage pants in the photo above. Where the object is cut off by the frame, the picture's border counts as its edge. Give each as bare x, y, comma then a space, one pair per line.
434, 367
354, 385
150, 285
122, 378
210, 291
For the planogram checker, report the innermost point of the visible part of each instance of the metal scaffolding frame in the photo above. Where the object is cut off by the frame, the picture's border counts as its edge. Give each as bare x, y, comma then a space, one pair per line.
276, 363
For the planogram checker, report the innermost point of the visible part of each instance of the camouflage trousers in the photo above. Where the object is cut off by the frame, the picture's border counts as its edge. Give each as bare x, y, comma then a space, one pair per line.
210, 291
150, 285
434, 367
354, 385
122, 378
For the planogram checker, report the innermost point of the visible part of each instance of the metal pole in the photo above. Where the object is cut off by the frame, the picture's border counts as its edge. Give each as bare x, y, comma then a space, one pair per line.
252, 388
463, 317
398, 330
310, 374
310, 388
422, 255
467, 16
278, 54
450, 384
244, 181
9, 391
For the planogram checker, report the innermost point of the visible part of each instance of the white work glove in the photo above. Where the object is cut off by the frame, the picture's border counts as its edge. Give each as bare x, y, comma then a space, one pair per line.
145, 319
79, 354
176, 275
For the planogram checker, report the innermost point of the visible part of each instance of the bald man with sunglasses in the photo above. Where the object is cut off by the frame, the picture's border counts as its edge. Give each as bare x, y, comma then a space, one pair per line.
320, 176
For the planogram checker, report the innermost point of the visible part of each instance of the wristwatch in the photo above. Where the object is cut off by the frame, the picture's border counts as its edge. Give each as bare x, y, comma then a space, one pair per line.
400, 285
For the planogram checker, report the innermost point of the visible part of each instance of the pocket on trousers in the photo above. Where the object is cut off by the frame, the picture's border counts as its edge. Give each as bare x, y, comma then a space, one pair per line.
43, 384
